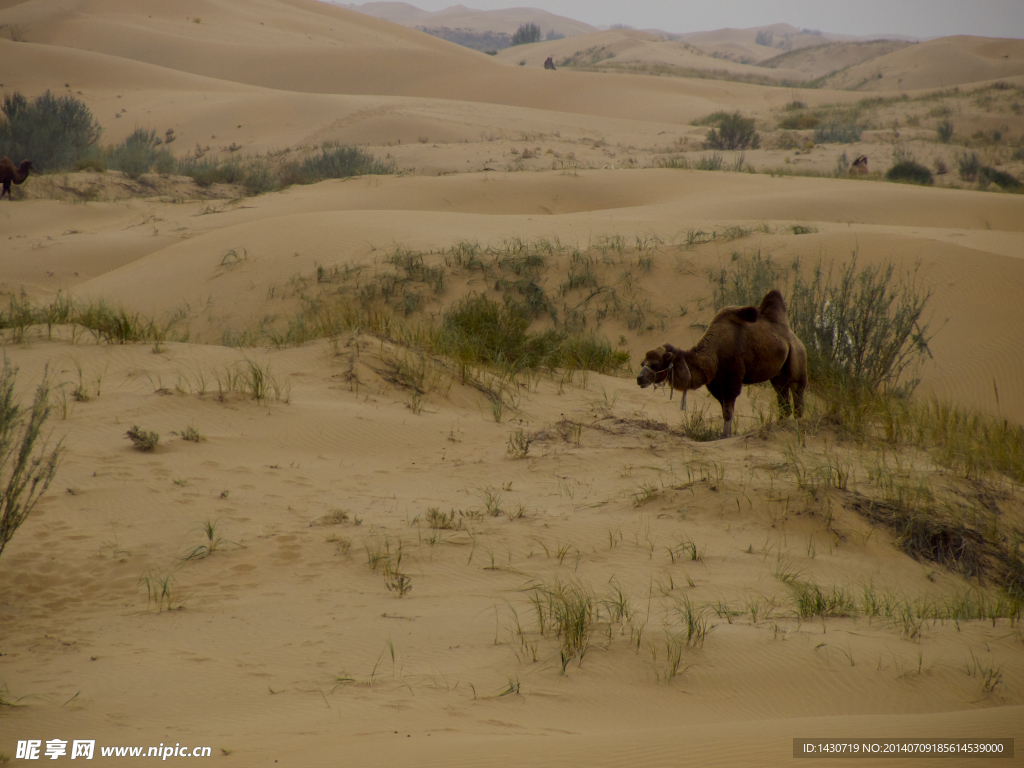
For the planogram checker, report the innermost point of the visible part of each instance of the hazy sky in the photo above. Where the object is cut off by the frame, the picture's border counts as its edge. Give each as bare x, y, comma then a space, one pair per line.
916, 18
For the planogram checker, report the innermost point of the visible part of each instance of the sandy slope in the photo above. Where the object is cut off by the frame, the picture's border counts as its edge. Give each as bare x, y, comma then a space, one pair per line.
282, 644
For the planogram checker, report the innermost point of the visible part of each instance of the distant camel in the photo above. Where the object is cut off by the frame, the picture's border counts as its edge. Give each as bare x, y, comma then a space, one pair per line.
860, 165
549, 63
9, 173
743, 345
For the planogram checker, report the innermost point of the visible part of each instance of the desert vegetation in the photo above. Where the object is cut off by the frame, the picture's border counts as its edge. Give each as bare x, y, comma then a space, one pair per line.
59, 133
28, 462
380, 444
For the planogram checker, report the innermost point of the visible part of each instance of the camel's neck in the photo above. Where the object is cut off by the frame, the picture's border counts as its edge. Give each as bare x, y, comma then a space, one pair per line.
703, 365
20, 174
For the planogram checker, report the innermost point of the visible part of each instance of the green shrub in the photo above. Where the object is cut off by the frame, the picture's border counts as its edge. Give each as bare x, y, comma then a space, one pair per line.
835, 132
945, 131
54, 132
969, 166
336, 161
25, 473
527, 33
478, 330
1000, 178
135, 155
910, 172
733, 132
165, 163
143, 439
863, 329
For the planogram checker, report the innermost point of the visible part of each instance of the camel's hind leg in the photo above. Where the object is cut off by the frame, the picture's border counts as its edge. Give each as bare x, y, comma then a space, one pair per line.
781, 385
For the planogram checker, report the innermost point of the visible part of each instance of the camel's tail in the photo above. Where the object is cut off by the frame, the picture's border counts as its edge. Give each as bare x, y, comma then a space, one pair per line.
773, 308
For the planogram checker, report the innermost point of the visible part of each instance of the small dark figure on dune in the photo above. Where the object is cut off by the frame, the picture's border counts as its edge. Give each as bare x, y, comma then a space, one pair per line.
743, 345
549, 63
9, 173
860, 165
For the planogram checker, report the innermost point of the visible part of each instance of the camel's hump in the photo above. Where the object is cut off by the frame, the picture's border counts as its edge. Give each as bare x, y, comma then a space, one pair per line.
773, 308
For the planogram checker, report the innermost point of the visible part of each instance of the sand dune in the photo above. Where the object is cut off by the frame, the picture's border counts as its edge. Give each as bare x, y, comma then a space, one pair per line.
820, 60
249, 591
942, 63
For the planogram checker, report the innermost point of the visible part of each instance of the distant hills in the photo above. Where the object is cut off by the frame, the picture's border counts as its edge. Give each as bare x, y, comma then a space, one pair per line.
482, 30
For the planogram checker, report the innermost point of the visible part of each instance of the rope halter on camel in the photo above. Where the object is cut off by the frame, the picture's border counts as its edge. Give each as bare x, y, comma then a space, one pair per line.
669, 372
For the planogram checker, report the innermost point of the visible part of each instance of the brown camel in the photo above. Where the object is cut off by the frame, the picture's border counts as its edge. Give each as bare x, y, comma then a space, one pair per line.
549, 63
743, 345
9, 173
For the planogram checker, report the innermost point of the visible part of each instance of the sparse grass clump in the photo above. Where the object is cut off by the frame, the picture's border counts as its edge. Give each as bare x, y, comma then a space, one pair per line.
113, 326
142, 439
25, 470
569, 611
836, 132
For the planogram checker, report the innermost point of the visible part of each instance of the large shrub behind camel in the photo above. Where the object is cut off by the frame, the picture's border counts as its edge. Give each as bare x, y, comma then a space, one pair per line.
55, 131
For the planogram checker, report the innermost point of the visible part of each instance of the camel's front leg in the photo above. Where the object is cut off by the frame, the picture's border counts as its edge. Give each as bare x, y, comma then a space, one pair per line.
728, 408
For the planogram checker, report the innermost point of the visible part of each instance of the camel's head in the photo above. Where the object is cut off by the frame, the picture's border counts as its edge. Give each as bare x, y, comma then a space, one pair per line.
26, 166
665, 365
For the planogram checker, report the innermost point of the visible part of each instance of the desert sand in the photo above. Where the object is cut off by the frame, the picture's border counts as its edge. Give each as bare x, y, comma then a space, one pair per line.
240, 592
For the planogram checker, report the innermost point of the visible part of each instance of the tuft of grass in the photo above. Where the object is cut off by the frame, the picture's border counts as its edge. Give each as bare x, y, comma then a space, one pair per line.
213, 541
439, 520
519, 444
698, 426
335, 517
142, 439
695, 623
811, 600
161, 591
567, 610
191, 434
